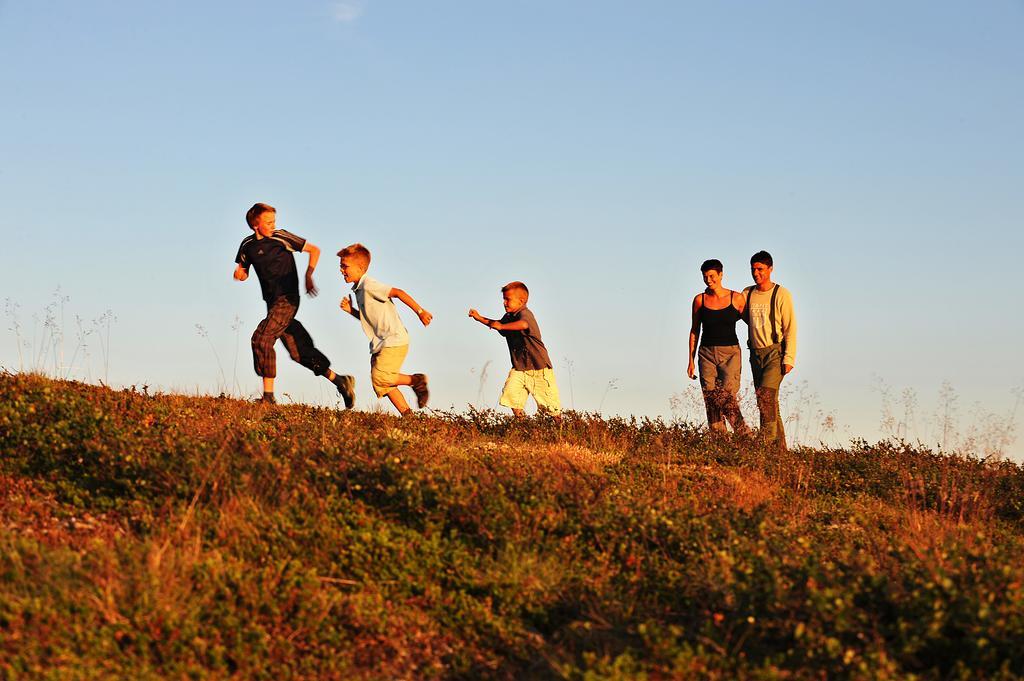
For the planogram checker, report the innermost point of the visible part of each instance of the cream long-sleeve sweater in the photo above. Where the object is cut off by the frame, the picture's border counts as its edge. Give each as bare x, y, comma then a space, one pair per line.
759, 330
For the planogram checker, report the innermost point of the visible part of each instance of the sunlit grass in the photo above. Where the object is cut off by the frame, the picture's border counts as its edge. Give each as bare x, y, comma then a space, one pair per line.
154, 536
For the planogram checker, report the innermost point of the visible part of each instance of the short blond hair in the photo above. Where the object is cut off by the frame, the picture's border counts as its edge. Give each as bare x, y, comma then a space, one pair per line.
358, 251
516, 286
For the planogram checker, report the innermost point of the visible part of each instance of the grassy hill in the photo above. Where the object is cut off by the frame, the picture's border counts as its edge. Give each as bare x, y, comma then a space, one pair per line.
162, 536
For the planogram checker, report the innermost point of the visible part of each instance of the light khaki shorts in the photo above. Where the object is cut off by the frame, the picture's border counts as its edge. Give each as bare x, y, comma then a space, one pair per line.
385, 367
537, 382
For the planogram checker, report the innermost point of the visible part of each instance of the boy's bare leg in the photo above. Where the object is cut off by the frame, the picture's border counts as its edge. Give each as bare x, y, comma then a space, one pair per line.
419, 386
268, 390
397, 399
519, 413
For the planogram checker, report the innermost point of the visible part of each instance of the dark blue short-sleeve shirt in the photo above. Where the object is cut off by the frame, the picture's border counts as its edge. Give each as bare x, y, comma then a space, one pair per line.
274, 261
525, 347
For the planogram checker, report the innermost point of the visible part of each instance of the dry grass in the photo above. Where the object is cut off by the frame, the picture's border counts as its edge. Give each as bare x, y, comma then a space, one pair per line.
165, 536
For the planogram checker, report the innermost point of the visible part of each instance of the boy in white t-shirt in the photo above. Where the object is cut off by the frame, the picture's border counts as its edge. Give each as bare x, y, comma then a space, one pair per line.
389, 341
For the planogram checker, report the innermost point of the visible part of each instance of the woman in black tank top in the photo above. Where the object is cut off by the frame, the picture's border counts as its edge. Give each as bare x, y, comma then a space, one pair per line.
715, 313
718, 326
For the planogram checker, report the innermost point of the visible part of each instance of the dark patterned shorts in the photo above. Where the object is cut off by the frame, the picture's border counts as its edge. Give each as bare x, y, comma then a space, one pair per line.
281, 323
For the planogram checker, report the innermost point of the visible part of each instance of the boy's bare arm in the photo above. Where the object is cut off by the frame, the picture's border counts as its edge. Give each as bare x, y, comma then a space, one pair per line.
241, 274
314, 258
424, 316
480, 318
347, 306
520, 325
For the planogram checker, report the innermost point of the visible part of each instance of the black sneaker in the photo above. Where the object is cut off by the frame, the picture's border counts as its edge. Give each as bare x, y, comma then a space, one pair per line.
419, 386
268, 398
346, 386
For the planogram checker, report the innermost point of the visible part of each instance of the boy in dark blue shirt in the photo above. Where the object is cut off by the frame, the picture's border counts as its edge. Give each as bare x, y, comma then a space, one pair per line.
531, 372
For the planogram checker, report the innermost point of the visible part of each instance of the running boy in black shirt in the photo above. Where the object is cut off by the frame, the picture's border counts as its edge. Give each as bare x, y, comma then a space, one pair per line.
270, 250
531, 372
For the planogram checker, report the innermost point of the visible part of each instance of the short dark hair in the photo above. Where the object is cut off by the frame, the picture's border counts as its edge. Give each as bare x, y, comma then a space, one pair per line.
763, 257
516, 286
713, 264
254, 213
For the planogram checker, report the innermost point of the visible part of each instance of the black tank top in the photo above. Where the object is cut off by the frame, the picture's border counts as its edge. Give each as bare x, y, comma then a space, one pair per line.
718, 327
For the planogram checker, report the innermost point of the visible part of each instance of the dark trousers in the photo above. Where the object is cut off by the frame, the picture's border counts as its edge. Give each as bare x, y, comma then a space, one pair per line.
766, 366
281, 323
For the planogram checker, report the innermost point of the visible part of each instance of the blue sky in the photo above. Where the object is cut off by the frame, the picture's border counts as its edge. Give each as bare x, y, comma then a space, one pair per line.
598, 151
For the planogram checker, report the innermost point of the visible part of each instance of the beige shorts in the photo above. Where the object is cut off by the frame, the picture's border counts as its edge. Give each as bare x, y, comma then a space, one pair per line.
537, 382
385, 367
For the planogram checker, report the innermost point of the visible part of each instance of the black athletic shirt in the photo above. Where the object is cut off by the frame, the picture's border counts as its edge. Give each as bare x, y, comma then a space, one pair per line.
275, 265
718, 327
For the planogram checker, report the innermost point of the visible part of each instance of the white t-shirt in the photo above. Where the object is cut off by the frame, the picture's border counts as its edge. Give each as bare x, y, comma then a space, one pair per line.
378, 315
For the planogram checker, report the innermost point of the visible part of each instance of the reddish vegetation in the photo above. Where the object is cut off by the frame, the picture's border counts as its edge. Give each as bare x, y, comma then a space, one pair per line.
167, 536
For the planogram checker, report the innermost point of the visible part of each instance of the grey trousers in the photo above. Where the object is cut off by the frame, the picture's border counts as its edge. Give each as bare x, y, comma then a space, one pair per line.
720, 367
